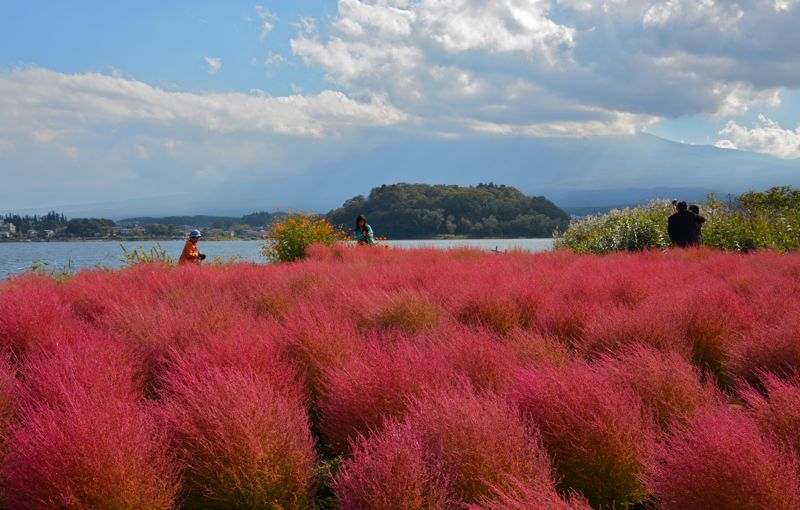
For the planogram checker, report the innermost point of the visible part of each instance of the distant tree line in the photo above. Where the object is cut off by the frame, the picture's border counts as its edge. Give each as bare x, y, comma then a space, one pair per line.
50, 221
420, 211
252, 220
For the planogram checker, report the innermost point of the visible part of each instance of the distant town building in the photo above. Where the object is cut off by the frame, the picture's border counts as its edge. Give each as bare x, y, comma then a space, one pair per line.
7, 229
32, 233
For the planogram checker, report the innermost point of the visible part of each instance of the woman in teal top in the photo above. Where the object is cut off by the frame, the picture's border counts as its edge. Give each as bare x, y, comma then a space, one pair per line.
364, 233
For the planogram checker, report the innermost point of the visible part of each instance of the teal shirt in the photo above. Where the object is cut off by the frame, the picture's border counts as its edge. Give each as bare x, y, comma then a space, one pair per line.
365, 238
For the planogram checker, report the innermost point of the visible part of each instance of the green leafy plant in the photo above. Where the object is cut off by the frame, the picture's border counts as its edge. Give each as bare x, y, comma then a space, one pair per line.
752, 221
140, 255
289, 236
60, 273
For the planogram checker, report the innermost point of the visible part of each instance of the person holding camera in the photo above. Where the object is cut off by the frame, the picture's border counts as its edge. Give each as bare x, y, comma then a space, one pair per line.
364, 234
684, 226
191, 255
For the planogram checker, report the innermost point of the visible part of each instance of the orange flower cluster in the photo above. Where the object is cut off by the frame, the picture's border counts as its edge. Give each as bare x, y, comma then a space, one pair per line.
290, 235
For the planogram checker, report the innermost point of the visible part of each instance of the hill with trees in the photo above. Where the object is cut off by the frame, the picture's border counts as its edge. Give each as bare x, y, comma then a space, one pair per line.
415, 211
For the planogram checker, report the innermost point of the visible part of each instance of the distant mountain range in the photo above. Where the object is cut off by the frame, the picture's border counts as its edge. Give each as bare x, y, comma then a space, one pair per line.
576, 174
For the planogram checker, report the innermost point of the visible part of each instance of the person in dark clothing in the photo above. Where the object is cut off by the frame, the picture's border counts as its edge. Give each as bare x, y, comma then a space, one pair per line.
682, 226
699, 225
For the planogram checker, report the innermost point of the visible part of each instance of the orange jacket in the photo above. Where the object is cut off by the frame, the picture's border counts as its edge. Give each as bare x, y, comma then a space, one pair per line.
190, 254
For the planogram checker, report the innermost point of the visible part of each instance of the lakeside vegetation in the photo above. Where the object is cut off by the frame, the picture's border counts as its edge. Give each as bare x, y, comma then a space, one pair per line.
751, 221
418, 211
372, 378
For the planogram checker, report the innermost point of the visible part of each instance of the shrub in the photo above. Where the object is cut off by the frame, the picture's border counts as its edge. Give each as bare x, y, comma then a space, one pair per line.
500, 313
539, 495
667, 383
94, 368
318, 341
598, 434
391, 470
8, 397
719, 459
480, 441
475, 356
453, 448
533, 349
374, 385
289, 236
33, 315
777, 410
712, 319
93, 454
632, 229
409, 312
769, 348
140, 255
242, 444
249, 348
620, 327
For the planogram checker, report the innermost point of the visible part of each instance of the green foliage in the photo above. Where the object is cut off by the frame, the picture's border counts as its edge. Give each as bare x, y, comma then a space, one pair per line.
50, 221
290, 236
59, 273
161, 230
89, 227
753, 221
141, 255
419, 211
629, 229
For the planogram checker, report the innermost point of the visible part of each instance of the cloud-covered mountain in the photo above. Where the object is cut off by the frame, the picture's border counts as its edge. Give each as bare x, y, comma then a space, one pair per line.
600, 171
592, 172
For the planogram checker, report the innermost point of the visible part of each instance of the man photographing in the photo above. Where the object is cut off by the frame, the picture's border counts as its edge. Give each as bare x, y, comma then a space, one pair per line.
683, 226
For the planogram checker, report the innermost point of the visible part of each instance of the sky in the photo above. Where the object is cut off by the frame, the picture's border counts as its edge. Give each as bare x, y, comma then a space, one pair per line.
106, 101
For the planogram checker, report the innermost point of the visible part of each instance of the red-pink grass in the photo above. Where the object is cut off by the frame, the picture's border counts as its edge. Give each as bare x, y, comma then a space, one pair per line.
32, 315
453, 448
91, 454
769, 347
499, 312
532, 349
617, 327
316, 341
666, 382
8, 397
93, 368
713, 319
373, 385
720, 459
598, 434
410, 312
480, 440
777, 407
425, 321
392, 470
242, 442
537, 495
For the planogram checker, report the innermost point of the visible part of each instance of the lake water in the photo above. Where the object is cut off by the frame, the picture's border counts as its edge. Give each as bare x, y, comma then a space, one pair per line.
19, 257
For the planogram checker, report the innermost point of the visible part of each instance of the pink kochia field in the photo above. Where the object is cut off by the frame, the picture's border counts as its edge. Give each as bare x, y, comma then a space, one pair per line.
391, 379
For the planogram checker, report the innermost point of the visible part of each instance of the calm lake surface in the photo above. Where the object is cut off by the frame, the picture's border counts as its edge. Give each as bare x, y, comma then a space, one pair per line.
19, 257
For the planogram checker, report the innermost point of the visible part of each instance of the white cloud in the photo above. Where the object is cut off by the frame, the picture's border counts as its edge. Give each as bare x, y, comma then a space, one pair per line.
43, 99
464, 59
785, 5
268, 20
660, 13
766, 136
214, 65
613, 123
